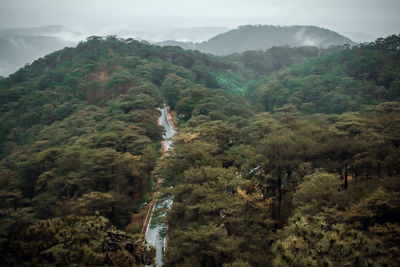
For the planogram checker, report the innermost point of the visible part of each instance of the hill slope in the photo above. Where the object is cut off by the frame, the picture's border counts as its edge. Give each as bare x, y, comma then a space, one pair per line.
350, 80
262, 37
19, 46
188, 34
265, 36
79, 141
322, 166
80, 152
18, 50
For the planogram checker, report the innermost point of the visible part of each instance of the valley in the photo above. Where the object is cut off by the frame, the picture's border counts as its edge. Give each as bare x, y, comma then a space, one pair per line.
285, 156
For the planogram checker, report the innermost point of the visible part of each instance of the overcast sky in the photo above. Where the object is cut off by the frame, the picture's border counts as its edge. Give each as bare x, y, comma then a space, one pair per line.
375, 17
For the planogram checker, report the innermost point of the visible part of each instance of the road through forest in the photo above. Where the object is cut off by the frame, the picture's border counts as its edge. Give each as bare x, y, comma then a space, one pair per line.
155, 232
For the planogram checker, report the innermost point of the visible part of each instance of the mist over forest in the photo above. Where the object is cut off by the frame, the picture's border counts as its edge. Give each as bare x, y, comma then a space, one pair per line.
175, 134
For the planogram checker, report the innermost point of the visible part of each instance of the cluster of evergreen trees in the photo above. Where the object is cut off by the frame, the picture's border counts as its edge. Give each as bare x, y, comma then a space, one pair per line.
78, 142
346, 81
300, 167
256, 179
292, 187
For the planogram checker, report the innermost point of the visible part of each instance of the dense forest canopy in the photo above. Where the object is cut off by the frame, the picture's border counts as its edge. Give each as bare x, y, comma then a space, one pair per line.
347, 81
284, 157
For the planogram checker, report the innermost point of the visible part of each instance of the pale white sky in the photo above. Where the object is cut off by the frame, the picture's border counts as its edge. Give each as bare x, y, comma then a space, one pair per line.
376, 17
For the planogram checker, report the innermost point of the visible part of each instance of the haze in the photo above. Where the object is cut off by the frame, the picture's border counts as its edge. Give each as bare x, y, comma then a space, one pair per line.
372, 17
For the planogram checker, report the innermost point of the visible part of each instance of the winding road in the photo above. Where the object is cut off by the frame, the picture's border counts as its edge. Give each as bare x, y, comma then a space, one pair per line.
155, 231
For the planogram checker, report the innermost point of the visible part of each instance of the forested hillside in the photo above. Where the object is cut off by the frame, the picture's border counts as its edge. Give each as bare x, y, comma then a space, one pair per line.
262, 37
290, 187
347, 81
79, 140
284, 157
261, 63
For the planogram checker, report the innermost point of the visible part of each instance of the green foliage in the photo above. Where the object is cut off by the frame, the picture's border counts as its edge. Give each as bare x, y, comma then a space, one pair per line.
262, 63
346, 81
318, 191
325, 230
313, 182
82, 240
296, 172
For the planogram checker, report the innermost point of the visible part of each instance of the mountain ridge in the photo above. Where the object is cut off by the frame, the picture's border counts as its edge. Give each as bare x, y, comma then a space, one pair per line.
19, 46
258, 163
261, 37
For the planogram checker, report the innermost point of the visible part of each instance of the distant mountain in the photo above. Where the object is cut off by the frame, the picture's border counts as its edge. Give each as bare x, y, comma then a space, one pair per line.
262, 37
19, 46
18, 50
51, 30
195, 34
184, 45
189, 34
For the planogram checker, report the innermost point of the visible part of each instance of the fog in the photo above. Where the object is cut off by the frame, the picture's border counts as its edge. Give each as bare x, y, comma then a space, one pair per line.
377, 18
69, 21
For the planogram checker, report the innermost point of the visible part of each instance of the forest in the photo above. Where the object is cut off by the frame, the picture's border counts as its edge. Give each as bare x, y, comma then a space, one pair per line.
283, 157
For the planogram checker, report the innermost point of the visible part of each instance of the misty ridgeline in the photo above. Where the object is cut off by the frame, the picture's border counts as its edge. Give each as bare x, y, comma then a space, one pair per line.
286, 151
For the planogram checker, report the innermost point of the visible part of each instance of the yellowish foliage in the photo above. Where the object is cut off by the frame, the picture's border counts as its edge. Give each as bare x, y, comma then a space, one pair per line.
187, 137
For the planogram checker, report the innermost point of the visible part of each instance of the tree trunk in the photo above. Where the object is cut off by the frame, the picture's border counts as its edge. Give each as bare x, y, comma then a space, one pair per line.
289, 174
279, 195
379, 171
